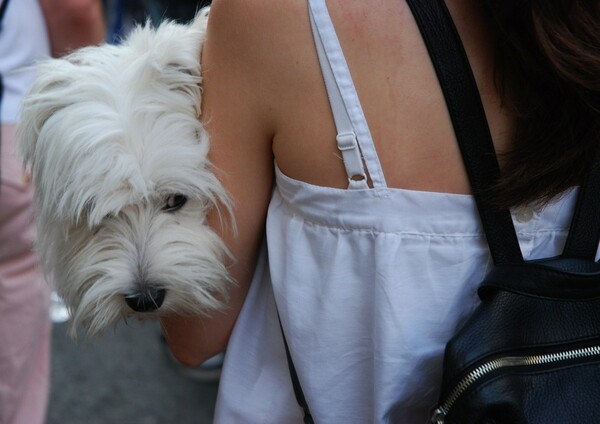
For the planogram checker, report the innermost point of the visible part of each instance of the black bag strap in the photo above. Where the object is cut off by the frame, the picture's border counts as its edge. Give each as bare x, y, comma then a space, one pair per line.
468, 119
308, 419
3, 7
472, 132
584, 233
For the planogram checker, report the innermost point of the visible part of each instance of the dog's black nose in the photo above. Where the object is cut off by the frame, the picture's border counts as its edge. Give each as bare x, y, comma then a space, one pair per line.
147, 300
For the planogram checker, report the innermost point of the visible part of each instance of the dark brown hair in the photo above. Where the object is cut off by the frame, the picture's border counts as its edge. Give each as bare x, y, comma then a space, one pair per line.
548, 73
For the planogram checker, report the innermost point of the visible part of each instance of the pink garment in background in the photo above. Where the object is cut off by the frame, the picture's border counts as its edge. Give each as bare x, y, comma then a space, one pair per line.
24, 299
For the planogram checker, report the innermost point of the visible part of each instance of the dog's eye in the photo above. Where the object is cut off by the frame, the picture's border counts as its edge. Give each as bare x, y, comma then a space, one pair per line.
174, 202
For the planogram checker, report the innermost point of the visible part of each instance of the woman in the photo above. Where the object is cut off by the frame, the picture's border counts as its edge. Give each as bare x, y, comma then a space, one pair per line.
373, 256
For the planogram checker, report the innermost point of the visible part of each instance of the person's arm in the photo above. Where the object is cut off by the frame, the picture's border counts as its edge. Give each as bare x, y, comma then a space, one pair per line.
235, 110
73, 24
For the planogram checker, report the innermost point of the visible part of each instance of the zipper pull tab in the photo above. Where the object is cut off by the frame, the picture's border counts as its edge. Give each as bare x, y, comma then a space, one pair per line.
438, 416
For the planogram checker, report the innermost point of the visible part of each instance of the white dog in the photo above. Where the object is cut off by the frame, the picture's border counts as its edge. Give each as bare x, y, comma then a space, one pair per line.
122, 182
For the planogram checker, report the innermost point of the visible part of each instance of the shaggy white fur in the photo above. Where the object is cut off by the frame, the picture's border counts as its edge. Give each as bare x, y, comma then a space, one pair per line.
122, 182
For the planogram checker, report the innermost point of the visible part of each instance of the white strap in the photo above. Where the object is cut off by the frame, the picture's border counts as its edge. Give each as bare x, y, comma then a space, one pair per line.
342, 94
346, 138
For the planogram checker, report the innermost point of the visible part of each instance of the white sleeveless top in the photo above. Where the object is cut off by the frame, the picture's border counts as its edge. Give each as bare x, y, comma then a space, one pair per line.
370, 285
23, 41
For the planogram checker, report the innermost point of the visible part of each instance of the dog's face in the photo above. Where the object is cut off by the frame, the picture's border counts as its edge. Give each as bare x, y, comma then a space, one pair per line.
122, 183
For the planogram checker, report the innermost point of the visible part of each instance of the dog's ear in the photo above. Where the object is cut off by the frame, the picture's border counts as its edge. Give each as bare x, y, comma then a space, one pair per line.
191, 41
181, 69
46, 97
200, 21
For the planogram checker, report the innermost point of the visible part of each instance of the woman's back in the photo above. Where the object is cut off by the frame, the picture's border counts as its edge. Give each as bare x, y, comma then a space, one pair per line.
396, 85
369, 284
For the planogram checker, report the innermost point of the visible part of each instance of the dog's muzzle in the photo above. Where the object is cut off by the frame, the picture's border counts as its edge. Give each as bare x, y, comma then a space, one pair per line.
147, 300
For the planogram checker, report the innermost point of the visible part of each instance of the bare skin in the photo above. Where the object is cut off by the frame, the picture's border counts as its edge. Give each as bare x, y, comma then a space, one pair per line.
73, 24
264, 100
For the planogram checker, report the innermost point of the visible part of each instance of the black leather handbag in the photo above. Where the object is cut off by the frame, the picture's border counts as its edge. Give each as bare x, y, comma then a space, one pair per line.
530, 353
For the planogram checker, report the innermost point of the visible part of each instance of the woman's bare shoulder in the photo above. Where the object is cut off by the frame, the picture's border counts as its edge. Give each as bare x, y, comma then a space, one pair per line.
256, 23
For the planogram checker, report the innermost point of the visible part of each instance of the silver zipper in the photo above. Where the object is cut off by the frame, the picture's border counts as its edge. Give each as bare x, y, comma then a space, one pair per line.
439, 415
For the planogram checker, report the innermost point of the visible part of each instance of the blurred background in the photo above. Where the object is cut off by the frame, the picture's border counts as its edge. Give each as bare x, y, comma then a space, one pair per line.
120, 15
128, 377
